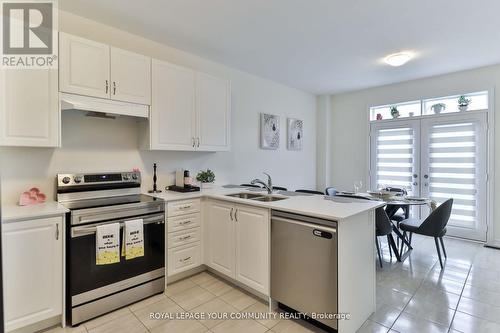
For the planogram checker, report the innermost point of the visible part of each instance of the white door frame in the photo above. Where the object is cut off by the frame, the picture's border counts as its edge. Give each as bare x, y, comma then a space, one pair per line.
481, 162
491, 239
401, 123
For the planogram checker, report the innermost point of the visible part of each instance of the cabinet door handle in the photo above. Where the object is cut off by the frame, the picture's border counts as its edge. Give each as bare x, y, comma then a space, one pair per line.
185, 259
231, 214
184, 238
107, 86
198, 142
57, 231
185, 207
185, 222
114, 88
236, 215
194, 141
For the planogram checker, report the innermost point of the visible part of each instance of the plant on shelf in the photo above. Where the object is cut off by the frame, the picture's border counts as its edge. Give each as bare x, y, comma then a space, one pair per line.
206, 178
437, 108
463, 103
394, 112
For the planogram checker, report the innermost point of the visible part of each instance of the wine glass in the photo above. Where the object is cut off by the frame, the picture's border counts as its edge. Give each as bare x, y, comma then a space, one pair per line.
357, 186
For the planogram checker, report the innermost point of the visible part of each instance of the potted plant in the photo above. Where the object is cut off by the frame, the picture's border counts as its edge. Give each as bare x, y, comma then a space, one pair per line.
437, 108
206, 178
463, 103
394, 112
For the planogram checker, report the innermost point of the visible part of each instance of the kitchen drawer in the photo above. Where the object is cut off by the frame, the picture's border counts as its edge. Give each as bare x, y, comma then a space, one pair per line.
183, 222
183, 258
177, 208
184, 237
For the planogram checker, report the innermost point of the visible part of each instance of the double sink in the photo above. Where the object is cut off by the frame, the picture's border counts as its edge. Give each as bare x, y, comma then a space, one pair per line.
256, 197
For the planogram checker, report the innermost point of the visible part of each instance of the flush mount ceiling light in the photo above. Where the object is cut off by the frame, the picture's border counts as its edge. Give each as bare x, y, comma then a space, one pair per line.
398, 59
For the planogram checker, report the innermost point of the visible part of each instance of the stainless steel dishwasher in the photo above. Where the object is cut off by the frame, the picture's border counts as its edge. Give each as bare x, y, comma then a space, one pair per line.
304, 264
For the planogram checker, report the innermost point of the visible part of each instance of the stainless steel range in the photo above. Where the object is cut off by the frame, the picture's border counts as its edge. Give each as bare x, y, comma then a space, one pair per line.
102, 198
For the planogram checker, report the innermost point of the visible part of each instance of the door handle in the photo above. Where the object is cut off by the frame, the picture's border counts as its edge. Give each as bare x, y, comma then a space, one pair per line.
415, 183
236, 215
184, 238
185, 222
57, 231
185, 259
304, 224
426, 176
193, 141
107, 86
197, 142
231, 214
114, 87
415, 175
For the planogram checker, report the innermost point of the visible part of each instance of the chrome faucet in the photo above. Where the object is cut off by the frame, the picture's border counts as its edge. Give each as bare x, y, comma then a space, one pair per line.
268, 186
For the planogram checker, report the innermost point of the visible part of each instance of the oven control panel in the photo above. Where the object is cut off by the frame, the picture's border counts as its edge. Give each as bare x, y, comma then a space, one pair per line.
64, 180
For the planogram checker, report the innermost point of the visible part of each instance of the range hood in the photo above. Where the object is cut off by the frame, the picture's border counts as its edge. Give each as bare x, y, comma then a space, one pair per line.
101, 107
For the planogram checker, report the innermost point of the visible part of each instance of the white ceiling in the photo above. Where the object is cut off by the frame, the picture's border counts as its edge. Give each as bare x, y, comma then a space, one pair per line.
320, 46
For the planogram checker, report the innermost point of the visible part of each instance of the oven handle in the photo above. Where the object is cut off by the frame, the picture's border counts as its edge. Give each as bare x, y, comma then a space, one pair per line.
88, 230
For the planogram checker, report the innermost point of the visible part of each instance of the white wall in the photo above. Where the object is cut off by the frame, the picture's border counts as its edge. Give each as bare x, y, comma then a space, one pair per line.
91, 144
348, 147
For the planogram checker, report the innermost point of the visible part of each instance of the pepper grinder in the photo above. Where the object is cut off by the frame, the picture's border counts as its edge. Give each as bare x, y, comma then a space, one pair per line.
155, 190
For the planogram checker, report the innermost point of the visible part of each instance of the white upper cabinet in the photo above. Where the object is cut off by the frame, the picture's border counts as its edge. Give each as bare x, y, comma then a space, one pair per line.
29, 108
93, 69
84, 66
172, 121
213, 117
189, 110
130, 77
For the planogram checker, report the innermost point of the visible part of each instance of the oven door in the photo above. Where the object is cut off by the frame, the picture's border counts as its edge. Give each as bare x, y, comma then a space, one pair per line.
89, 281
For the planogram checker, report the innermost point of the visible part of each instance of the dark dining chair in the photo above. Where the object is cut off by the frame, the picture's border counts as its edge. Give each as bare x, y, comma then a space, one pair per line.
383, 227
331, 191
309, 191
433, 226
280, 188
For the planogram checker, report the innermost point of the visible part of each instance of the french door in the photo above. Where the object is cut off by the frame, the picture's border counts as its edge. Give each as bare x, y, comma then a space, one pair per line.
439, 157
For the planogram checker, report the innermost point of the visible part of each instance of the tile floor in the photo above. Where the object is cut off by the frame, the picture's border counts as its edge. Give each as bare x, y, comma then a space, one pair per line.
414, 296
417, 296
202, 293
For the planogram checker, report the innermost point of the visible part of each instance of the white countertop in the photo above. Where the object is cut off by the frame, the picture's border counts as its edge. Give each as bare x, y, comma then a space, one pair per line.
310, 205
13, 212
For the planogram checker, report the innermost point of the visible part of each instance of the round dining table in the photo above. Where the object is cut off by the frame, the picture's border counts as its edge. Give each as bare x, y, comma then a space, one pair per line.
393, 204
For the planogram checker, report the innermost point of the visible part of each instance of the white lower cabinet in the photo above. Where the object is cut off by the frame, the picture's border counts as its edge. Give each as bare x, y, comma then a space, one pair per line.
32, 271
184, 257
220, 237
183, 236
238, 243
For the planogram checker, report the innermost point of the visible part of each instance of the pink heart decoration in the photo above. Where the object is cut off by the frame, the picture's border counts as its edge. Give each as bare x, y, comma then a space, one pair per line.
24, 199
32, 197
40, 197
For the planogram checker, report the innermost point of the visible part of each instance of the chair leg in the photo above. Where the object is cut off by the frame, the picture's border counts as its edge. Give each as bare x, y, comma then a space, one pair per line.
411, 235
402, 244
389, 244
439, 252
392, 243
378, 252
442, 245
